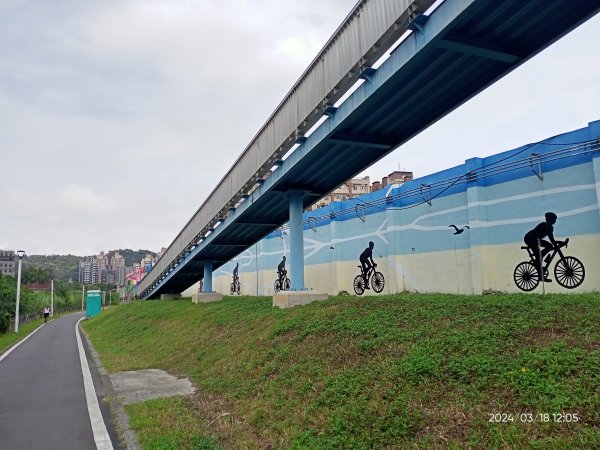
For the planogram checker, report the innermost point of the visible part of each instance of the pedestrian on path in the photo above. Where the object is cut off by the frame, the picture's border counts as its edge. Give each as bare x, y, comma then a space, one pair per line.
46, 314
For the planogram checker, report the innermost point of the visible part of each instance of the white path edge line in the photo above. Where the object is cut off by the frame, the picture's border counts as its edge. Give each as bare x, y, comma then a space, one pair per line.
7, 352
101, 436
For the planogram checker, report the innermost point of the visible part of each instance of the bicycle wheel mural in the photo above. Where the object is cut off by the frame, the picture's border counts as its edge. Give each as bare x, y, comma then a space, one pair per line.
568, 270
368, 273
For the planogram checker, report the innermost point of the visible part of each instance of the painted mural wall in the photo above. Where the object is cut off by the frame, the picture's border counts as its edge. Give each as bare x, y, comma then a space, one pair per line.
457, 231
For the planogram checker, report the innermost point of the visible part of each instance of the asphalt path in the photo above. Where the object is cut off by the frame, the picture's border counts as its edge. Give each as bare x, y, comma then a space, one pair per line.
43, 403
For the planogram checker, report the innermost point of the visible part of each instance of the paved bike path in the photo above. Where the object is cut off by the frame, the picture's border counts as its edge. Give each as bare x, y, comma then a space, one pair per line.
42, 396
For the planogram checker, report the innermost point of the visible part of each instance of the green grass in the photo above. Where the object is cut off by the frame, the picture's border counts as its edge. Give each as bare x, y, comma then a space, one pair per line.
188, 432
419, 371
10, 338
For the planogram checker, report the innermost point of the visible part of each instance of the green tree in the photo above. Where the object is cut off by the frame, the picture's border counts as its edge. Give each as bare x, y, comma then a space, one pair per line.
61, 267
62, 292
37, 275
8, 295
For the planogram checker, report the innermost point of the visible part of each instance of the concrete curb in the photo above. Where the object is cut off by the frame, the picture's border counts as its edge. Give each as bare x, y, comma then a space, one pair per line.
114, 402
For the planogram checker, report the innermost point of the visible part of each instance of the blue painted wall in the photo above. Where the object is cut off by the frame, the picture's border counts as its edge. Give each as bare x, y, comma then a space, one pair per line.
499, 198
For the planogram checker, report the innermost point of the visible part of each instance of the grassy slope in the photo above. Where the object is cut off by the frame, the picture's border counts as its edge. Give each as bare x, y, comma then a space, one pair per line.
395, 371
10, 338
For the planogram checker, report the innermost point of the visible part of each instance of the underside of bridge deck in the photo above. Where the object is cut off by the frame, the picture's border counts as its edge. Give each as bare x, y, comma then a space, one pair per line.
451, 57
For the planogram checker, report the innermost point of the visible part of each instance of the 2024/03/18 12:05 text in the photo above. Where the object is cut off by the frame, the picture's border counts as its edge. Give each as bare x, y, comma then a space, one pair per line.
561, 417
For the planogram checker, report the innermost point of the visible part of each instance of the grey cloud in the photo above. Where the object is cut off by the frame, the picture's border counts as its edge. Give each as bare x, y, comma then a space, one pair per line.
119, 117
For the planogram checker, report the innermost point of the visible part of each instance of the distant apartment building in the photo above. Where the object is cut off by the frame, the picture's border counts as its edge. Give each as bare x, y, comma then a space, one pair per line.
111, 277
116, 270
396, 177
159, 254
147, 262
88, 270
8, 262
356, 187
102, 267
352, 188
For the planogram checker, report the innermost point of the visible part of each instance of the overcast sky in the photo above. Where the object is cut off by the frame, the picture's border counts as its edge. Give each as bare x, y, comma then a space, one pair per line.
118, 117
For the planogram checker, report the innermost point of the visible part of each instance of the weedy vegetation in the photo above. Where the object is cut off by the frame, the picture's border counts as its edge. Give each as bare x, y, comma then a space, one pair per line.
398, 371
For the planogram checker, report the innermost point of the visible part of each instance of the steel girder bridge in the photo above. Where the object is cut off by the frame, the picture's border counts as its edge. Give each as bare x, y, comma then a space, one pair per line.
445, 57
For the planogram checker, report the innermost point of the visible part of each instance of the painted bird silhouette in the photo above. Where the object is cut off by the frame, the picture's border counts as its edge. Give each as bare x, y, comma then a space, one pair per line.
458, 230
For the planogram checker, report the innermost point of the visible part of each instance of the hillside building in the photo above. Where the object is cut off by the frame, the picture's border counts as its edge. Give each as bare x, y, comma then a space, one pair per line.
88, 270
102, 267
8, 262
116, 270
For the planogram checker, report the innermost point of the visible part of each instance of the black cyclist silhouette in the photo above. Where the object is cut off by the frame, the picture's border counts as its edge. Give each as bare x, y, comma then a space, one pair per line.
282, 283
367, 267
540, 247
235, 287
568, 270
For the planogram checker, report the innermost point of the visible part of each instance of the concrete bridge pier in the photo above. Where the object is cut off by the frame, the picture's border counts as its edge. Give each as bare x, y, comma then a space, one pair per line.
298, 295
207, 276
296, 240
207, 295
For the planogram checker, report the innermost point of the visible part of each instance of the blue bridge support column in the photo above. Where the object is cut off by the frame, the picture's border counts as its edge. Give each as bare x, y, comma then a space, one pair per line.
207, 295
208, 276
298, 294
296, 240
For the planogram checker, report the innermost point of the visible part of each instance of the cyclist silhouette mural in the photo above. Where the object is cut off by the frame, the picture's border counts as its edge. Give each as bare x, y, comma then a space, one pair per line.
540, 247
235, 287
568, 270
282, 283
368, 273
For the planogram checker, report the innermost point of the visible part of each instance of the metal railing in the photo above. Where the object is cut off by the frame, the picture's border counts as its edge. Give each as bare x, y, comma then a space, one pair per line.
31, 317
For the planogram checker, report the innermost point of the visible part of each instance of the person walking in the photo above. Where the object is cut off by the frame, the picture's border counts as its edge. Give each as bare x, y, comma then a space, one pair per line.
46, 314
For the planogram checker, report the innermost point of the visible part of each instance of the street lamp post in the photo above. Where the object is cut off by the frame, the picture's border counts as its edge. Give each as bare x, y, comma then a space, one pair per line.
20, 254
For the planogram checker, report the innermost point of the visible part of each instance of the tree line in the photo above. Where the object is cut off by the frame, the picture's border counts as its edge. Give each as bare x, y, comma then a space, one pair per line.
66, 296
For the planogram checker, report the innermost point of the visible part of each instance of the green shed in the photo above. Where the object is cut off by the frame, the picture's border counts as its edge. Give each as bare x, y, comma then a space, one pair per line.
93, 303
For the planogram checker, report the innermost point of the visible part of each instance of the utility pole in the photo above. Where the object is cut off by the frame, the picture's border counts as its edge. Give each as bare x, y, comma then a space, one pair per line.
51, 298
20, 254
